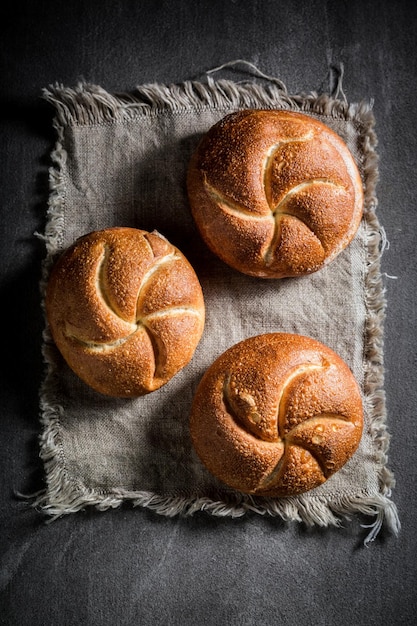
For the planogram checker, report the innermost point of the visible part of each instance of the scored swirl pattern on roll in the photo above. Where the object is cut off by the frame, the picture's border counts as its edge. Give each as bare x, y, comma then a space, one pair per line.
277, 415
274, 193
125, 309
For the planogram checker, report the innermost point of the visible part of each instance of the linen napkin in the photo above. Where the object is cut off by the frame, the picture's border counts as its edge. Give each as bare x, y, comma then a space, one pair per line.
121, 160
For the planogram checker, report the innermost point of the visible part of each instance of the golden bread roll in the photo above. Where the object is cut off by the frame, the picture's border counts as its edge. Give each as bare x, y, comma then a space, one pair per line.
125, 309
274, 193
276, 415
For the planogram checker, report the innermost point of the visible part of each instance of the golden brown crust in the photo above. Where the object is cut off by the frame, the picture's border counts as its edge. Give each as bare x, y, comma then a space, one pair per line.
274, 193
276, 415
125, 309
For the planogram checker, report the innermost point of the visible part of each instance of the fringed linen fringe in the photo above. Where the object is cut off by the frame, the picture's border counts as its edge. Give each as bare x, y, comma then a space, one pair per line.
90, 104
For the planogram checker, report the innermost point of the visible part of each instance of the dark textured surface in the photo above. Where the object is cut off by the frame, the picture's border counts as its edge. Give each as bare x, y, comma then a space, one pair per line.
130, 566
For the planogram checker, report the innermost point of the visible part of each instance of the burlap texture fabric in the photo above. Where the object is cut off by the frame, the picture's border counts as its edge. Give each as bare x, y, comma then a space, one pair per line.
121, 160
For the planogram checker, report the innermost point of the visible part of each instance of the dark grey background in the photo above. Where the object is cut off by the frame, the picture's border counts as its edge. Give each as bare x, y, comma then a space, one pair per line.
129, 566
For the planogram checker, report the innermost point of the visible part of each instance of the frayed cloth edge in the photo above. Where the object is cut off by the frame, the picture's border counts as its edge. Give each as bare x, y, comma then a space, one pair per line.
90, 104
312, 510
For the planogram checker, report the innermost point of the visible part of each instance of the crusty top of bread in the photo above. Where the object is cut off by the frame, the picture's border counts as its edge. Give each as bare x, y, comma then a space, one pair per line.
125, 309
274, 193
276, 415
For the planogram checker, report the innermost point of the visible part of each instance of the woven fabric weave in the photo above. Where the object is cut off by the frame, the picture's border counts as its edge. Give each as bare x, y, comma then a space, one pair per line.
121, 160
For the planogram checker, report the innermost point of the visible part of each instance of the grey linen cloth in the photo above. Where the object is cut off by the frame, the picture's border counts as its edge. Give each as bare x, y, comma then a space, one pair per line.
121, 160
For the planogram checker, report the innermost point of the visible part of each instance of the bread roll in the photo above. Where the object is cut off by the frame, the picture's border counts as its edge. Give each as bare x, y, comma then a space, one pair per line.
125, 309
274, 193
276, 415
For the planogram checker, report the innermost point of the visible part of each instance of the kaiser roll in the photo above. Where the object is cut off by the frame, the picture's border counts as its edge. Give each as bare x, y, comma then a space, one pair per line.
274, 193
276, 415
125, 309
